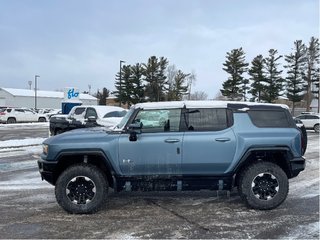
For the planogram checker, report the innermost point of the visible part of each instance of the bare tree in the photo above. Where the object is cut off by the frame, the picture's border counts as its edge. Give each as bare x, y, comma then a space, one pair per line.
198, 95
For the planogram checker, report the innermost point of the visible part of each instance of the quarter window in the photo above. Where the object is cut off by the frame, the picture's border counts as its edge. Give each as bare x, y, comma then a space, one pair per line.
277, 119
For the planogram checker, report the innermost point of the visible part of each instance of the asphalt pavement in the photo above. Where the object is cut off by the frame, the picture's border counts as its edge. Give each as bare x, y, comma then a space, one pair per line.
28, 208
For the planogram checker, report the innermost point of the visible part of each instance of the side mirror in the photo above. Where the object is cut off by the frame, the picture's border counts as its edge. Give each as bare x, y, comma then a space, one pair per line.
134, 129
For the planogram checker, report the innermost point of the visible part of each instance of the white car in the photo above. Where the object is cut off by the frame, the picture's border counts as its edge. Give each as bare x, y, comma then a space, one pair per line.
310, 121
19, 115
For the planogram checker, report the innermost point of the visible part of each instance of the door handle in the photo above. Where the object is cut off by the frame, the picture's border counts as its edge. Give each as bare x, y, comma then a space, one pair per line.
222, 139
172, 140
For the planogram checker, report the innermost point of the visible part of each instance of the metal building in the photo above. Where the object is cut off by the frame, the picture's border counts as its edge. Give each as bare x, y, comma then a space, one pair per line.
13, 97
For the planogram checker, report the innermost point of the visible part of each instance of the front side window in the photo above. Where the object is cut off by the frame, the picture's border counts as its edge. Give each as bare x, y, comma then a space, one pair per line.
79, 111
167, 120
206, 119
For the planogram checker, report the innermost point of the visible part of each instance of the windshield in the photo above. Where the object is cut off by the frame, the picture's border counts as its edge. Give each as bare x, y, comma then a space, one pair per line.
125, 119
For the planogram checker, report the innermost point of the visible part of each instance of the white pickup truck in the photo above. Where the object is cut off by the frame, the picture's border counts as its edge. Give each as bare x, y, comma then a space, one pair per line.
86, 116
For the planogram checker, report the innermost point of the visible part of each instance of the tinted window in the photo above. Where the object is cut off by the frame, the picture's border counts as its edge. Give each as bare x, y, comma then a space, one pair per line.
91, 112
115, 114
311, 117
207, 119
111, 114
268, 118
159, 120
19, 110
79, 111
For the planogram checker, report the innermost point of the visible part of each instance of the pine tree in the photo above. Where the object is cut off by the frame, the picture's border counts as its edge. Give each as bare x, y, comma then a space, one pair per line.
102, 96
123, 89
273, 80
179, 86
257, 77
235, 87
154, 72
312, 69
137, 87
295, 66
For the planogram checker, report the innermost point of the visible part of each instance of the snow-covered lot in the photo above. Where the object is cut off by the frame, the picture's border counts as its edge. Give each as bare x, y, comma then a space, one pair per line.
28, 207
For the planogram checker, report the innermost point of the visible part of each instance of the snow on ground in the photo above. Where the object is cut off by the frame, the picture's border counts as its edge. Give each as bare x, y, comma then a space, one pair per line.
21, 143
25, 125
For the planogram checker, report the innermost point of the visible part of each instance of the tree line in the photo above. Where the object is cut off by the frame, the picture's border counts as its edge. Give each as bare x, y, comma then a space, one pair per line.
152, 81
263, 81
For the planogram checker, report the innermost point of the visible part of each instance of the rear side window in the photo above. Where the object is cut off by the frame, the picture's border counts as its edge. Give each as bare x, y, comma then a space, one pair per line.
269, 118
207, 119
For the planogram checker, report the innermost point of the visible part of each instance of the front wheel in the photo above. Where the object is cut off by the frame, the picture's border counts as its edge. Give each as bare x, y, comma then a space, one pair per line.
316, 128
263, 185
81, 189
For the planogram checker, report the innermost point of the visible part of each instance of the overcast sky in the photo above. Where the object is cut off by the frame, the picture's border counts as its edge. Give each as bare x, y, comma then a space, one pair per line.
80, 42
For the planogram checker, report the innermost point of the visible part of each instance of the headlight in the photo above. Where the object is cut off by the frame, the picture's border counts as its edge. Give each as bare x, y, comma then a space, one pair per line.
45, 149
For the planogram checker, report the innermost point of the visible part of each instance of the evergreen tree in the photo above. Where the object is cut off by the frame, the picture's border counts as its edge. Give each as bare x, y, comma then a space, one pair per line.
257, 77
154, 72
123, 89
102, 96
295, 66
235, 87
179, 86
312, 69
137, 87
273, 80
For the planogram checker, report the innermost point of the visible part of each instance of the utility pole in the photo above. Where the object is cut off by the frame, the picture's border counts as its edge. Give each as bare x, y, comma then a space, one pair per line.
35, 91
120, 97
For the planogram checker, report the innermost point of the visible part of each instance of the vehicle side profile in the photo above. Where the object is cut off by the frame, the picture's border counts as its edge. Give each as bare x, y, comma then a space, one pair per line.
310, 121
86, 116
20, 115
178, 146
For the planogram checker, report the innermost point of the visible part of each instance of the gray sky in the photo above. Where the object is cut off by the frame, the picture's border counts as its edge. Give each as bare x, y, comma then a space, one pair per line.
80, 42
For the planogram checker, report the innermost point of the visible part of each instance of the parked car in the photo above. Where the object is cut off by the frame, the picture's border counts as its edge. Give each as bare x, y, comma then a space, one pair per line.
19, 115
192, 145
86, 116
310, 121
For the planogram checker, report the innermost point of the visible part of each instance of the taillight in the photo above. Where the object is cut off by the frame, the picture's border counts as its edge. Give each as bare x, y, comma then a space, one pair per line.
2, 113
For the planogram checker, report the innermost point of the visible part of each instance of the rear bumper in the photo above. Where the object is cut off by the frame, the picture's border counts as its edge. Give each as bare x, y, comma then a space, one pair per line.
297, 165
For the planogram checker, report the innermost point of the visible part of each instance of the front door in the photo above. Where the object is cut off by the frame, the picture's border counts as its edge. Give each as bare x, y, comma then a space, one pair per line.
157, 150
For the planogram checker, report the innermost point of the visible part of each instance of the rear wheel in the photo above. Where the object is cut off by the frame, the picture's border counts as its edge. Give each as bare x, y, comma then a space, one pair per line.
11, 120
263, 185
81, 188
316, 128
42, 119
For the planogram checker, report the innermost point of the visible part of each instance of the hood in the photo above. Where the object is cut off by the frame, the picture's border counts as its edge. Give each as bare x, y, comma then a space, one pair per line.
80, 135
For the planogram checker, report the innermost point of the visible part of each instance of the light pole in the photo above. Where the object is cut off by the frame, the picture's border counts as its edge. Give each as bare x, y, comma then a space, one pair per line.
35, 91
120, 98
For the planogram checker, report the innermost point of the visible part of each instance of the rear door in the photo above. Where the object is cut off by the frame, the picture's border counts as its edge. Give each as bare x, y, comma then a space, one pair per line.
209, 143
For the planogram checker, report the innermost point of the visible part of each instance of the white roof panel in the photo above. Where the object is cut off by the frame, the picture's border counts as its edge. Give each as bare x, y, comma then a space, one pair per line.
198, 104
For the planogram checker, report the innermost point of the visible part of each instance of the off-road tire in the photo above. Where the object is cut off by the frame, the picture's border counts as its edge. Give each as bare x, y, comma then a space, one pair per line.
263, 185
11, 120
83, 180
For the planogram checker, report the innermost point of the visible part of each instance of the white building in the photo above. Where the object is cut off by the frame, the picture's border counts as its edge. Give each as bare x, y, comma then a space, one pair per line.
13, 97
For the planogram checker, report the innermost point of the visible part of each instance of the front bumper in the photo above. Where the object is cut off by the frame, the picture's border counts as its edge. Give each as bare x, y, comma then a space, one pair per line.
47, 170
297, 165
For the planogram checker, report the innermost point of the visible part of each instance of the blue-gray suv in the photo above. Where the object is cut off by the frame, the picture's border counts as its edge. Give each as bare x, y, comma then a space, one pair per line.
183, 145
